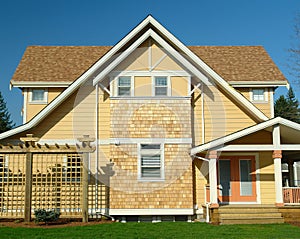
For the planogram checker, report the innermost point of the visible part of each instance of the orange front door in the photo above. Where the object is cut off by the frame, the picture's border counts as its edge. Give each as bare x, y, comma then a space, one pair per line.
237, 179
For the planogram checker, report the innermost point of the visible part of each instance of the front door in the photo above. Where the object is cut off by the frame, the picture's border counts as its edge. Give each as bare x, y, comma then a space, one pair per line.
236, 179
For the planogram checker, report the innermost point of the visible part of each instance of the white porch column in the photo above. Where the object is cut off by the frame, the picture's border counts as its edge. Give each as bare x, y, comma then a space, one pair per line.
278, 177
212, 165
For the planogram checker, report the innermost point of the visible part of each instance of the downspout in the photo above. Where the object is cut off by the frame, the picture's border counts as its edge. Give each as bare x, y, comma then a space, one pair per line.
97, 150
202, 115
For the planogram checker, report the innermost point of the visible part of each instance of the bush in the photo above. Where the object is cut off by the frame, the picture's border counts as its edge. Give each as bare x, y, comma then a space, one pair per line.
41, 215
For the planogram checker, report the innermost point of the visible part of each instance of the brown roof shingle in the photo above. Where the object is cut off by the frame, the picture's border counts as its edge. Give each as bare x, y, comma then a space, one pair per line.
239, 63
57, 63
67, 63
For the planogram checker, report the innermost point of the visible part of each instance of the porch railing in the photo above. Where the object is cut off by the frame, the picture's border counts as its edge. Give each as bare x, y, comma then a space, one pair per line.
291, 195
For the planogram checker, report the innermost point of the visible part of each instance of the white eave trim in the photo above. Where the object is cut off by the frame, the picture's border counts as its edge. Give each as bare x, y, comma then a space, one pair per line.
257, 83
24, 84
218, 143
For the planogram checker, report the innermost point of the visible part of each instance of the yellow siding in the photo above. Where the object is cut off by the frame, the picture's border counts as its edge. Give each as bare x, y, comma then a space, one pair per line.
139, 59
33, 109
142, 86
72, 119
179, 86
267, 181
221, 115
264, 107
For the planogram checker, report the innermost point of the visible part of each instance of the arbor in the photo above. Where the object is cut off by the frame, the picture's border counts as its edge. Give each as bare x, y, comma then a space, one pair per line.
288, 107
5, 121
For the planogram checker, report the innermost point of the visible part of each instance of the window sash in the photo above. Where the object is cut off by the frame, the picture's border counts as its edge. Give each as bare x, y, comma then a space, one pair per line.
124, 86
258, 94
161, 86
150, 161
38, 95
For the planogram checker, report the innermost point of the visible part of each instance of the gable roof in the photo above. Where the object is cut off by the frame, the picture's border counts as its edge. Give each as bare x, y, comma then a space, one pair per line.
67, 63
148, 23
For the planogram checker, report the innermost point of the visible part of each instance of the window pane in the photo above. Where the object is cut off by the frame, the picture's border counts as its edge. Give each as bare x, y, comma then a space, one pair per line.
160, 90
258, 95
151, 172
225, 182
150, 146
160, 81
124, 91
124, 85
38, 95
245, 177
124, 81
151, 160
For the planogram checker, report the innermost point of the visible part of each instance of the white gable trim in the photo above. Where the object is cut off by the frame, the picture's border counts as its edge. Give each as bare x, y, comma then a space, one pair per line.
90, 72
218, 143
164, 44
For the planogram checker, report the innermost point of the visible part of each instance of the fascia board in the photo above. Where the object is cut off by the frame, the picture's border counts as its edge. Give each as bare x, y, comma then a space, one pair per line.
257, 83
23, 84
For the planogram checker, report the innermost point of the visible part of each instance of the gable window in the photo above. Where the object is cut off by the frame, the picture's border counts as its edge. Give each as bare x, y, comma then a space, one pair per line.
258, 94
38, 96
151, 162
161, 86
124, 86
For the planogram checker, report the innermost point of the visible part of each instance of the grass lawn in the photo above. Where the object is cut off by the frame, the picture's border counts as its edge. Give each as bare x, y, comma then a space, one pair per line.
155, 230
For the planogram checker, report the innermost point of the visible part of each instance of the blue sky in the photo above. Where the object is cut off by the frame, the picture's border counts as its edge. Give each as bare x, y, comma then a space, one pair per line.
195, 22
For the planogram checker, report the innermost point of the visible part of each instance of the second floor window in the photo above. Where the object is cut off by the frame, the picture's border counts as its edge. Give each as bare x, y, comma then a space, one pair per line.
38, 96
161, 86
258, 95
124, 86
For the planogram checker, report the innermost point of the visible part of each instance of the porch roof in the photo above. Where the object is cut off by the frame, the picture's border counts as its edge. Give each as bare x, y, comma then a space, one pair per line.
288, 138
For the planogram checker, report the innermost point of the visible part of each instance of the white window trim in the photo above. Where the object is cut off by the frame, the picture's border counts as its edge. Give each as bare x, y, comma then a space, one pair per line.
45, 101
259, 101
115, 85
169, 87
162, 164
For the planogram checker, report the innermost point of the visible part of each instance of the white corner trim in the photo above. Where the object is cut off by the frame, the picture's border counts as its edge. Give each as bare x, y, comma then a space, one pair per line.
25, 99
150, 211
271, 93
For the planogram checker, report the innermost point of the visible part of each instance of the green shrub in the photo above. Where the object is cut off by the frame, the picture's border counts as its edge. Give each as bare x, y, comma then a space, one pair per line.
41, 215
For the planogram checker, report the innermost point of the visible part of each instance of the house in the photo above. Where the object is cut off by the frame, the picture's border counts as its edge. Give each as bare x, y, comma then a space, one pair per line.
178, 130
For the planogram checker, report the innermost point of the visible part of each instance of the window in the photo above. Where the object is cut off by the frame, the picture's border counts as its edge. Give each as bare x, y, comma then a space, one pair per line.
258, 95
38, 96
72, 168
151, 162
161, 86
124, 86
